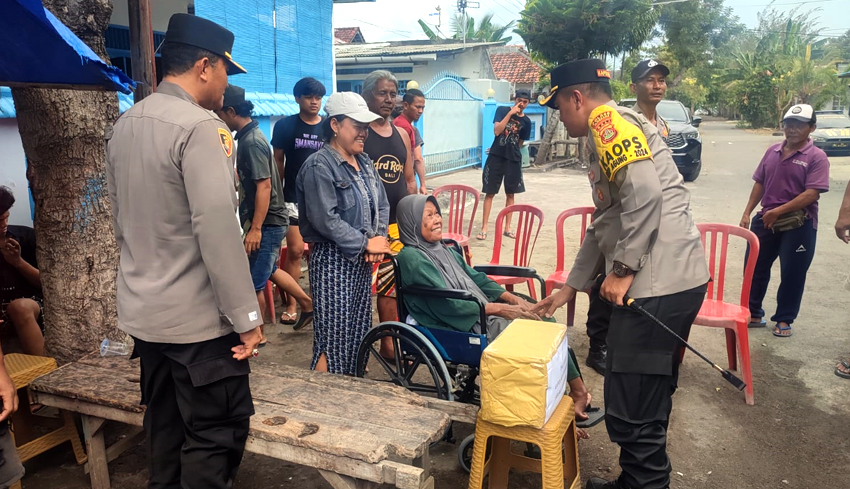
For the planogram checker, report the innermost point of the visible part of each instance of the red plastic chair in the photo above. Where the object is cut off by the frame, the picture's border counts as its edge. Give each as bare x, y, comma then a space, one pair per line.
454, 214
715, 312
529, 220
559, 277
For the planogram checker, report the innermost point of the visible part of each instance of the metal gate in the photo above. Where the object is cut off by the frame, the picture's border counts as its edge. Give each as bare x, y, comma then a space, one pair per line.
450, 125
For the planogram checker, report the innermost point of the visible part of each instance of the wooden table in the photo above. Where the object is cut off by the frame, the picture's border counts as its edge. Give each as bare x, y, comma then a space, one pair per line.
357, 433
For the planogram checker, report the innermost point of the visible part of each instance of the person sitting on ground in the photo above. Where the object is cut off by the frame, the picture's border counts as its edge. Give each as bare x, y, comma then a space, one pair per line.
20, 282
426, 262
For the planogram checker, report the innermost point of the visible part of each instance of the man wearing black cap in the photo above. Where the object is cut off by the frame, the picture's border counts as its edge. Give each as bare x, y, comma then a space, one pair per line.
512, 129
184, 289
644, 232
649, 84
262, 212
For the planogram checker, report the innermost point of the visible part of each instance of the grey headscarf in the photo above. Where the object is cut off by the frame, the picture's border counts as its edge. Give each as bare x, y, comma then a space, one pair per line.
409, 215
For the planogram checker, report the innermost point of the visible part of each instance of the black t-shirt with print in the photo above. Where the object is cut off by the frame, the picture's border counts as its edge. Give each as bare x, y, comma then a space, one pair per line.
298, 140
518, 129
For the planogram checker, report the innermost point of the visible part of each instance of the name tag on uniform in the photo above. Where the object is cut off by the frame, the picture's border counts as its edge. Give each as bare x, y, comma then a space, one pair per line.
618, 142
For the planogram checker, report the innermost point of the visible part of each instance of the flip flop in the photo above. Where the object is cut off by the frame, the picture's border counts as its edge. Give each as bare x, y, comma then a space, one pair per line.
481, 236
291, 318
594, 416
757, 324
305, 319
781, 329
509, 234
843, 375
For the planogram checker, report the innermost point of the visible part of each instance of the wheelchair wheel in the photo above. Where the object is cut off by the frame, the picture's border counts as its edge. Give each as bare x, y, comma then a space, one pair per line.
464, 453
419, 368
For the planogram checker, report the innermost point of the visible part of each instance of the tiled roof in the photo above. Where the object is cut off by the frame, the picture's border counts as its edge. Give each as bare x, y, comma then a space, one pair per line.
515, 67
265, 104
399, 48
346, 35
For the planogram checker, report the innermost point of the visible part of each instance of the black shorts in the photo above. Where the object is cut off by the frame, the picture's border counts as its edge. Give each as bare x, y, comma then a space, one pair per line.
497, 168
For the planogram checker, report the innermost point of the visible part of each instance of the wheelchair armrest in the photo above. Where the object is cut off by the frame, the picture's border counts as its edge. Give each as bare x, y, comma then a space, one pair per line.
512, 271
457, 294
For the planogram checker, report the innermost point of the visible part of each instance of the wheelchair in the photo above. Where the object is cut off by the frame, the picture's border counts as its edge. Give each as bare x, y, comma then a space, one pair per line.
440, 363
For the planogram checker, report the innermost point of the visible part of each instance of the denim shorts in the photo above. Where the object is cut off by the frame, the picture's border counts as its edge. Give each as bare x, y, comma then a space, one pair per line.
263, 262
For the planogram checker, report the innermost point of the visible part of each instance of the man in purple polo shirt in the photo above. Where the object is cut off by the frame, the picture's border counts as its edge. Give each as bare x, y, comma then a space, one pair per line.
788, 182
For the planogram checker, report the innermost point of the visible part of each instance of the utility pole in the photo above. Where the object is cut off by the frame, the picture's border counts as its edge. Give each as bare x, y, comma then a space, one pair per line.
141, 47
462, 5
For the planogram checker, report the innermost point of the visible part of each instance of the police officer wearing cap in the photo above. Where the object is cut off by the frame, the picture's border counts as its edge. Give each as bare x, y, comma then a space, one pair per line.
644, 232
649, 84
184, 289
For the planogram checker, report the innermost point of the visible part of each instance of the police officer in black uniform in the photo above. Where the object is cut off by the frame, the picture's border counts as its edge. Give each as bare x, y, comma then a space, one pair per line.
645, 235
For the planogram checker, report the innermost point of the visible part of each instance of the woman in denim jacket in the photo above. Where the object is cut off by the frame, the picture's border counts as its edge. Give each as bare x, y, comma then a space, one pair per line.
343, 213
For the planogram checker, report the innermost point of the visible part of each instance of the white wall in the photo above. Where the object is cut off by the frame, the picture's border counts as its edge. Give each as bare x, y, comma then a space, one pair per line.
450, 125
161, 11
501, 87
473, 64
13, 172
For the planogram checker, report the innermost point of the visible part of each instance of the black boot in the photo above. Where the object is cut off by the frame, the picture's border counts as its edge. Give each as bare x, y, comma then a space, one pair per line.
596, 359
597, 483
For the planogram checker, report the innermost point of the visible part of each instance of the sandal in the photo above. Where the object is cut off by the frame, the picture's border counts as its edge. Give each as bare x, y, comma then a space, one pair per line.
305, 319
481, 236
842, 373
509, 234
594, 416
757, 324
290, 318
779, 334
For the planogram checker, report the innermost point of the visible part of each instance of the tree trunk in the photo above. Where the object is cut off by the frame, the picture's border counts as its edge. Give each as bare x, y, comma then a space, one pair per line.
553, 117
63, 137
583, 157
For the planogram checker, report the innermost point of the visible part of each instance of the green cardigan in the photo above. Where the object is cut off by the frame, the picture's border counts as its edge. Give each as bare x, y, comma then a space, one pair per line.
432, 312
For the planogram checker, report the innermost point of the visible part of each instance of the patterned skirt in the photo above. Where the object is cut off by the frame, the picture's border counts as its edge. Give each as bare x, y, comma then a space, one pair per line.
342, 305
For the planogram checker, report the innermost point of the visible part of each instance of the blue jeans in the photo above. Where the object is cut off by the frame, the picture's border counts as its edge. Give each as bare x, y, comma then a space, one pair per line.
795, 250
263, 262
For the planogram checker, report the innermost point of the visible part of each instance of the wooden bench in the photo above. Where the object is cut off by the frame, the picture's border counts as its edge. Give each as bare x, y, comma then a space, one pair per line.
357, 433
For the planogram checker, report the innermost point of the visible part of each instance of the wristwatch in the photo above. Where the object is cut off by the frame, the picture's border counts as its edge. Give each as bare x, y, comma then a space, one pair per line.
621, 270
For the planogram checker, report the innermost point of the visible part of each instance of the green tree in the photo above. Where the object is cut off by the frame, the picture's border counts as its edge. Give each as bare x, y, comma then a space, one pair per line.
563, 30
695, 30
485, 31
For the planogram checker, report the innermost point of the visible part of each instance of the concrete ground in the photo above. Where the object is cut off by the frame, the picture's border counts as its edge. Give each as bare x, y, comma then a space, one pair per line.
795, 436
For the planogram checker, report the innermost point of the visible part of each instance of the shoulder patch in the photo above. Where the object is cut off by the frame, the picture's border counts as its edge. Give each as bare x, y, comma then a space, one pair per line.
226, 141
618, 142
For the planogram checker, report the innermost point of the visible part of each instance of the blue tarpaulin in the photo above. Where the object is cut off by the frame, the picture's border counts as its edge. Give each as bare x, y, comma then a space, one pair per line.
38, 49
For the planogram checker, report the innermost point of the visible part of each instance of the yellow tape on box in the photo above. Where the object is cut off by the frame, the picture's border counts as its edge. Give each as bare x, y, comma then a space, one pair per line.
524, 374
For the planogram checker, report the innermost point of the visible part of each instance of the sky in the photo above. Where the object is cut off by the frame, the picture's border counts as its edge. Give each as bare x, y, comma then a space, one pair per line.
392, 20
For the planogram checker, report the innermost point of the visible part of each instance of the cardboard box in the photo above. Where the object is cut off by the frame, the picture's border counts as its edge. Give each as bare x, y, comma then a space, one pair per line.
524, 374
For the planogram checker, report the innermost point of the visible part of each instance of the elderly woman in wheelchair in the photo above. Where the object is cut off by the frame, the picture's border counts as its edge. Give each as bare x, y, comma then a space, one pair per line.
426, 263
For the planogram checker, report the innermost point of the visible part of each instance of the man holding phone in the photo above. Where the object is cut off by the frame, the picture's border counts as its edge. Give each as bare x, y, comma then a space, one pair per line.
512, 128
